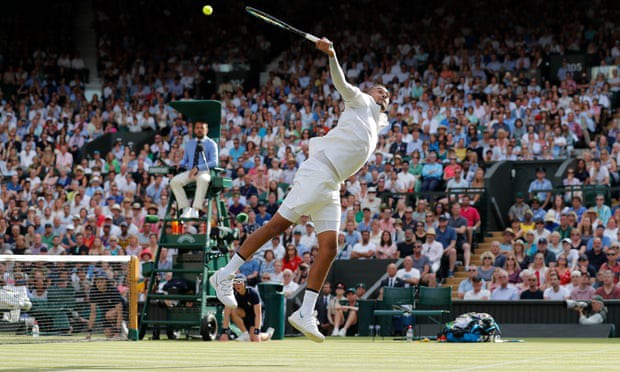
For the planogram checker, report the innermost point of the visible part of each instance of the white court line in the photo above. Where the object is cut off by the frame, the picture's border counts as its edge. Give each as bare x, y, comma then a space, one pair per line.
531, 360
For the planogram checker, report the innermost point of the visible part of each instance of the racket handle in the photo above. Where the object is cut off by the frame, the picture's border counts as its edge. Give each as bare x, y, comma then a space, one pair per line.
312, 38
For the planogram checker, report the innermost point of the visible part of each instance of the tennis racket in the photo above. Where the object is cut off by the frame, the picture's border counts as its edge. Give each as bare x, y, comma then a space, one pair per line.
283, 25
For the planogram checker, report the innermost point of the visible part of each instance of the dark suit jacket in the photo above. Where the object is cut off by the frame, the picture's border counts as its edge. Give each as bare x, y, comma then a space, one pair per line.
321, 308
398, 282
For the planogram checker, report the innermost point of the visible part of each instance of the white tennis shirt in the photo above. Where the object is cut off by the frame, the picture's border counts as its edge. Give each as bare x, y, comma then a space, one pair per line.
351, 143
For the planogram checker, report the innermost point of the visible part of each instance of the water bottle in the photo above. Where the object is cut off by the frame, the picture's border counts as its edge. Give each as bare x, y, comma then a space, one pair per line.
35, 329
409, 333
378, 330
371, 330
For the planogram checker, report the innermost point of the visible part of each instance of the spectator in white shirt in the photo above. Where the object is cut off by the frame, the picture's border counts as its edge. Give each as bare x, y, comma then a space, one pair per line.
555, 292
409, 274
478, 292
364, 249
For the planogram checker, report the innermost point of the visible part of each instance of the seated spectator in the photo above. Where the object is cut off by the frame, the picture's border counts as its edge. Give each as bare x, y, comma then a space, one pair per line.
555, 245
405, 248
432, 249
564, 228
478, 292
500, 257
364, 249
596, 256
466, 285
432, 173
344, 249
459, 224
583, 265
505, 290
599, 232
487, 268
584, 291
541, 247
512, 268
577, 207
555, 292
447, 236
345, 315
539, 230
609, 290
291, 259
575, 279
539, 269
409, 274
392, 279
517, 210
528, 225
250, 269
541, 188
386, 249
424, 266
603, 211
599, 174
290, 287
533, 291
267, 265
520, 253
612, 261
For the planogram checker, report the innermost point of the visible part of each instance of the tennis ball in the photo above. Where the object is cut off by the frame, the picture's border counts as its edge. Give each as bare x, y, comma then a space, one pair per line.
207, 10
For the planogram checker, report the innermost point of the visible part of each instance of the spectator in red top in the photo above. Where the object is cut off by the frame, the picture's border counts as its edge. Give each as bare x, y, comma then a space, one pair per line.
471, 215
612, 262
609, 290
291, 259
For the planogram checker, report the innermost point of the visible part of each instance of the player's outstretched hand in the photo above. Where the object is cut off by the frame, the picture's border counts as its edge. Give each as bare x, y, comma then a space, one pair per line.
325, 46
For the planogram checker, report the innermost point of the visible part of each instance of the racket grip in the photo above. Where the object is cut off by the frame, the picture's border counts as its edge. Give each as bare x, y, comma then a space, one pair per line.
312, 38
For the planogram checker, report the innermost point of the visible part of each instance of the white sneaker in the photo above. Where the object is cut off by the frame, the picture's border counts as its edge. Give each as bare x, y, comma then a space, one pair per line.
223, 288
270, 332
193, 213
342, 332
244, 337
306, 325
335, 332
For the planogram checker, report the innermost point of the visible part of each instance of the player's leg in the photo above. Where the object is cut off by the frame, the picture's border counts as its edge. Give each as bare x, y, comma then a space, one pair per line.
202, 185
176, 184
222, 279
303, 319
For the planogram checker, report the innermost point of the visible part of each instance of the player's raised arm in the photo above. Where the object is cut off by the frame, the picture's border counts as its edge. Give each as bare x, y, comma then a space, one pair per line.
344, 88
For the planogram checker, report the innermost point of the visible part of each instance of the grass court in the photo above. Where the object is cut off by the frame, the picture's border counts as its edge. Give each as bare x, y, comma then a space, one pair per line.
299, 354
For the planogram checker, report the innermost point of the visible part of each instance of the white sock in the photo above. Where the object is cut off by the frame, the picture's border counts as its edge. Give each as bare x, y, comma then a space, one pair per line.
233, 265
307, 307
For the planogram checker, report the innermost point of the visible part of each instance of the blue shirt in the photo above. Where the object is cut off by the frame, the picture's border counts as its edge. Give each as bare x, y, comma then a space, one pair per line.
352, 238
250, 266
543, 184
446, 237
210, 155
434, 170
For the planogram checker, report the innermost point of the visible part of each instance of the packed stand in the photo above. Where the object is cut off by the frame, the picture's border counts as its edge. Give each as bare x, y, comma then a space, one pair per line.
483, 94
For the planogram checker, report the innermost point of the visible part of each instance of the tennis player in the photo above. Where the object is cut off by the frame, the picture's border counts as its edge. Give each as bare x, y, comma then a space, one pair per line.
333, 158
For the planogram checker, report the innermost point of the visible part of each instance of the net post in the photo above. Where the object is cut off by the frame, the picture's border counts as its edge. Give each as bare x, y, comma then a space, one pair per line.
133, 298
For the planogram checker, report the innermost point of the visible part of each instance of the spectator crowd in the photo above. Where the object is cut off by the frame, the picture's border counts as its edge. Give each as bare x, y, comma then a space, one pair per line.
463, 96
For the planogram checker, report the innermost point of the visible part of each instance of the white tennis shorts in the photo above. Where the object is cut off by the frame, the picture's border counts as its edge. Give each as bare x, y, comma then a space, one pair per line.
315, 193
